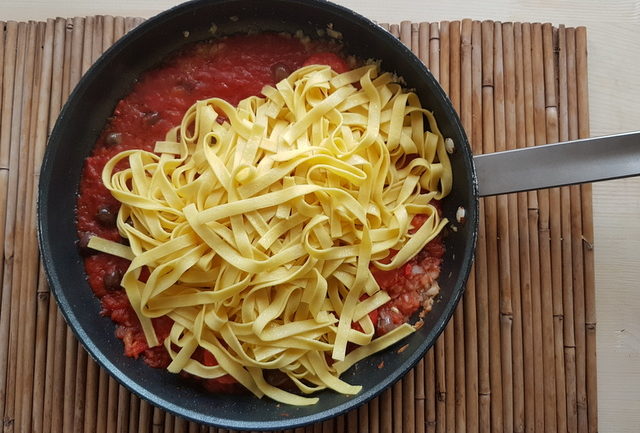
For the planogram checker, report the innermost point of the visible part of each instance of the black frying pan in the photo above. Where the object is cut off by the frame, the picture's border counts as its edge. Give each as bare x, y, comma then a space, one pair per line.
84, 116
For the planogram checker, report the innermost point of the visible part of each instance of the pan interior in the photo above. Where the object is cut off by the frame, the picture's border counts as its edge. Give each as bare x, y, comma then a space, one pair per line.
85, 115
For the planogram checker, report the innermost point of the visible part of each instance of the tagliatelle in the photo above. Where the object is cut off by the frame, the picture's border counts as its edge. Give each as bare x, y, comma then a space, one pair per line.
260, 231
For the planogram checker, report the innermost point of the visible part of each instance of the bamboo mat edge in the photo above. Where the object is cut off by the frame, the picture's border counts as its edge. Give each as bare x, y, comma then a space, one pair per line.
532, 89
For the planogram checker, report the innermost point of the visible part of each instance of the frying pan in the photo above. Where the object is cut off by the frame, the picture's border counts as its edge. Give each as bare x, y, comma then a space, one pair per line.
85, 115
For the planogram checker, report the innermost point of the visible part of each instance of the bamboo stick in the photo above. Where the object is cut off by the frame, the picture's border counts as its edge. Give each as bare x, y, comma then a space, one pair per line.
445, 50
534, 257
91, 395
454, 64
85, 374
420, 396
122, 417
103, 393
396, 414
503, 242
394, 29
423, 43
77, 53
363, 419
578, 285
108, 32
374, 415
81, 382
480, 266
576, 248
352, 420
446, 393
112, 406
134, 413
118, 28
49, 373
39, 379
68, 43
92, 41
576, 245
546, 305
129, 24
55, 106
405, 33
523, 238
57, 74
100, 37
145, 417
407, 401
75, 360
328, 426
415, 38
71, 343
469, 303
59, 364
386, 424
550, 44
587, 227
57, 409
491, 227
430, 395
70, 360
341, 421
160, 421
42, 291
434, 49
180, 425
8, 165
508, 41
567, 260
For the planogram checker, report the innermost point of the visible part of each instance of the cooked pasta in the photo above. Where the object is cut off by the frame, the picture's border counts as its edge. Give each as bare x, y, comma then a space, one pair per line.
259, 225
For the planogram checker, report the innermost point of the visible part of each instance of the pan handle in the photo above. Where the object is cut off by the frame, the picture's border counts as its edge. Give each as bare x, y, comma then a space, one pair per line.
566, 163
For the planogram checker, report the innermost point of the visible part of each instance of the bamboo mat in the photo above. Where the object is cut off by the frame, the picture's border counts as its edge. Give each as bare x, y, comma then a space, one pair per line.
519, 354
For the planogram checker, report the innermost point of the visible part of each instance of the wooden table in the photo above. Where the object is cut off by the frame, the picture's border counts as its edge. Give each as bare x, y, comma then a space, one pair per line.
614, 99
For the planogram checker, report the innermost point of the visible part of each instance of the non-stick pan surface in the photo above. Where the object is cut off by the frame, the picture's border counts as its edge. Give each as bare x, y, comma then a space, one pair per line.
86, 113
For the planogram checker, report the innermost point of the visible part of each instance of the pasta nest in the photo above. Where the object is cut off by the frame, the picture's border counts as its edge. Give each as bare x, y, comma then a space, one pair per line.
260, 224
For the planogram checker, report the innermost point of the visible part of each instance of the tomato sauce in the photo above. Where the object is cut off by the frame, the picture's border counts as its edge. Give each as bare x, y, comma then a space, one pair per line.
231, 69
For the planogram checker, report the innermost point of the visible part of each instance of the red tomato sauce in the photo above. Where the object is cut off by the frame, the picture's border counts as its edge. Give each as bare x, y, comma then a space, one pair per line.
231, 69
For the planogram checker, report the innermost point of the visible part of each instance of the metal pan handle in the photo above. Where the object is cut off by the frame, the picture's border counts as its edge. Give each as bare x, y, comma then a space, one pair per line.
552, 165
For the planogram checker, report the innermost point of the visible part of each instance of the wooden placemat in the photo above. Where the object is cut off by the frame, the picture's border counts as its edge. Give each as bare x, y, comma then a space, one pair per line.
519, 354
